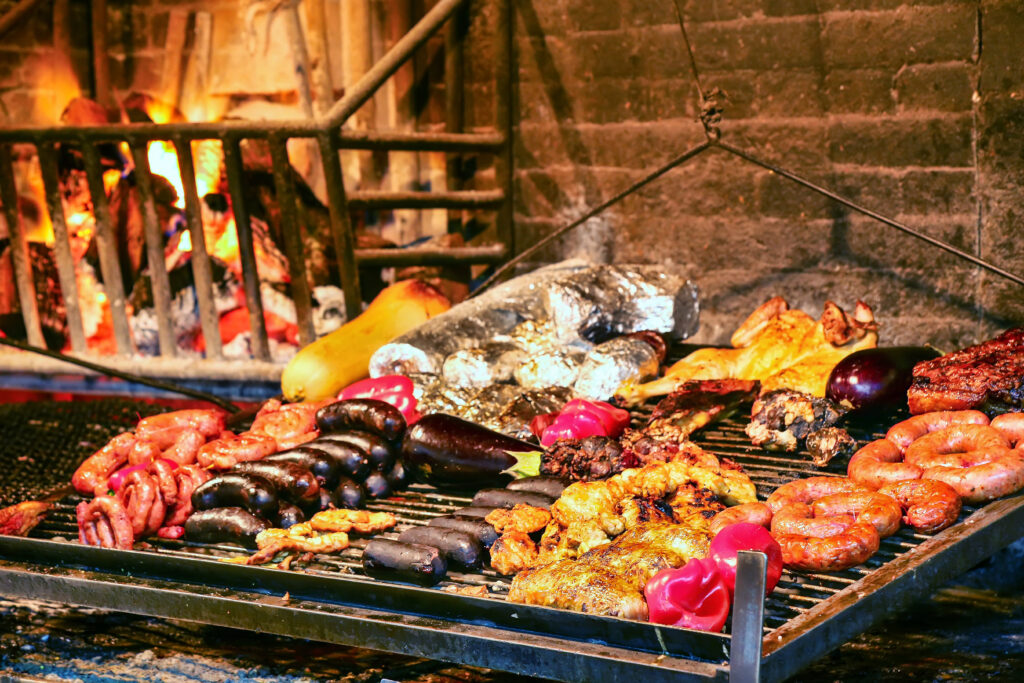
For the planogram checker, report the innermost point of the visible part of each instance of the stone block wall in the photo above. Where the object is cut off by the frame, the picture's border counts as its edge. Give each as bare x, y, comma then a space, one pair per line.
913, 109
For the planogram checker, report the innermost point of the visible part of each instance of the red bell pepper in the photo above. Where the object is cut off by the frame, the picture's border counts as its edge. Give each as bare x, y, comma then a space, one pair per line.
581, 418
730, 540
394, 389
694, 596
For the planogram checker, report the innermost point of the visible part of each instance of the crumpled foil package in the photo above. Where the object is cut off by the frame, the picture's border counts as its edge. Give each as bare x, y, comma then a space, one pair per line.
567, 304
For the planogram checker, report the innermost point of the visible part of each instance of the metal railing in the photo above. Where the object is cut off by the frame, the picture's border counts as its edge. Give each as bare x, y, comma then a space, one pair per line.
326, 131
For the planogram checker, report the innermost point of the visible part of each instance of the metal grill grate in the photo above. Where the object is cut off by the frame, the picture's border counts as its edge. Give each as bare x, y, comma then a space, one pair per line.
796, 593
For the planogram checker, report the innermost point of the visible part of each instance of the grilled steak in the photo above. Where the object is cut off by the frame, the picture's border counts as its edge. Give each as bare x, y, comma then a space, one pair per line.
988, 376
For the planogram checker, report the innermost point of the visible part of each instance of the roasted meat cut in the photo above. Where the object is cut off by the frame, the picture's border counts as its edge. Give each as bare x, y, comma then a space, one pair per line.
988, 376
610, 579
780, 420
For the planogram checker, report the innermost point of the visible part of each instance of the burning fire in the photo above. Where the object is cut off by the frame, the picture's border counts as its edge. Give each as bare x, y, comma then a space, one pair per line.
163, 161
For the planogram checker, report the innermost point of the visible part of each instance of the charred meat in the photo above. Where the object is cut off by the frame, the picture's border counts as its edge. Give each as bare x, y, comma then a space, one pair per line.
782, 419
829, 443
988, 376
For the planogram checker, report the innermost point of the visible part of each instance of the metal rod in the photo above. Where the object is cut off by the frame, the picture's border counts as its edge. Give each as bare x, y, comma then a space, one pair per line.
106, 245
689, 48
748, 617
135, 133
392, 60
341, 224
19, 250
476, 199
100, 54
202, 274
300, 56
872, 214
246, 250
62, 247
154, 233
119, 374
504, 102
454, 84
650, 177
428, 256
291, 233
13, 15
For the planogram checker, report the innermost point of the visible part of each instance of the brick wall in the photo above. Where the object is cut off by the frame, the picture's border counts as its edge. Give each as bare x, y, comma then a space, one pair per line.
915, 109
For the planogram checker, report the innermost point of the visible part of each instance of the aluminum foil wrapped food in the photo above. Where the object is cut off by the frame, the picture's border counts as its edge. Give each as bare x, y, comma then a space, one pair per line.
566, 303
610, 364
550, 368
479, 367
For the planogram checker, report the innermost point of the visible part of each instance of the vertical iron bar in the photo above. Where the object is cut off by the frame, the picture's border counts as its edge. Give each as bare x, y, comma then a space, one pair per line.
155, 251
202, 273
19, 250
106, 245
341, 223
62, 246
291, 233
454, 64
748, 617
246, 250
504, 102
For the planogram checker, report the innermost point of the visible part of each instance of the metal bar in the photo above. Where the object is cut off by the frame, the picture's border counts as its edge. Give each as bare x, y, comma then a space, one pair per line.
392, 60
748, 617
14, 14
246, 249
157, 366
873, 214
62, 246
106, 245
19, 250
291, 233
503, 102
475, 199
113, 372
421, 141
894, 586
155, 253
432, 256
341, 224
300, 56
100, 54
547, 239
454, 84
202, 274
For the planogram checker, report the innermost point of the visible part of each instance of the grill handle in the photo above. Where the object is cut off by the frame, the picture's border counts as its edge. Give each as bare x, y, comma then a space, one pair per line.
748, 617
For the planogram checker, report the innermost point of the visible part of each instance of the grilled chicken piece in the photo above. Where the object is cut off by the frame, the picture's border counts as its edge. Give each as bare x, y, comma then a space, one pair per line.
780, 420
360, 521
522, 517
636, 511
609, 580
780, 347
693, 505
597, 501
513, 552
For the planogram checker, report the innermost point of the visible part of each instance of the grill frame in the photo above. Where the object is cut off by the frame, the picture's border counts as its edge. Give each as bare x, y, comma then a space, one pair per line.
808, 615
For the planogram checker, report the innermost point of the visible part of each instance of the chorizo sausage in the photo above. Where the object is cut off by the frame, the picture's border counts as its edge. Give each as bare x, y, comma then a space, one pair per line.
140, 496
799, 519
809, 490
880, 463
929, 506
933, 449
104, 522
877, 509
906, 432
1011, 425
842, 551
750, 513
94, 471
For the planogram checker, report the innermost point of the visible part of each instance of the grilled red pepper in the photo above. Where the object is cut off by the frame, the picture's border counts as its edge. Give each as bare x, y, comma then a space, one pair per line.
694, 596
730, 540
394, 389
581, 418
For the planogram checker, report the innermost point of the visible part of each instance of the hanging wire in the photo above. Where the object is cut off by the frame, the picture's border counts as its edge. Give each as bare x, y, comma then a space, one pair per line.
710, 116
127, 376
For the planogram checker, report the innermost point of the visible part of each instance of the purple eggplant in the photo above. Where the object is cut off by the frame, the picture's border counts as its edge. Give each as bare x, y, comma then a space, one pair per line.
449, 452
876, 378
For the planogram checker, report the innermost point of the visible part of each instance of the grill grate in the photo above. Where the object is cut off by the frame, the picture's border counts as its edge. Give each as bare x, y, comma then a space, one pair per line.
796, 593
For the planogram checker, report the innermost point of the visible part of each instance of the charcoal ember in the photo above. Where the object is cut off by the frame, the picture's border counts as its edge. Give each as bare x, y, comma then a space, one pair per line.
782, 419
589, 459
829, 443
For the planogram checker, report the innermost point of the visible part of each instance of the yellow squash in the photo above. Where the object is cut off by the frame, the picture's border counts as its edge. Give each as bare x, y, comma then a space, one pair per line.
334, 361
